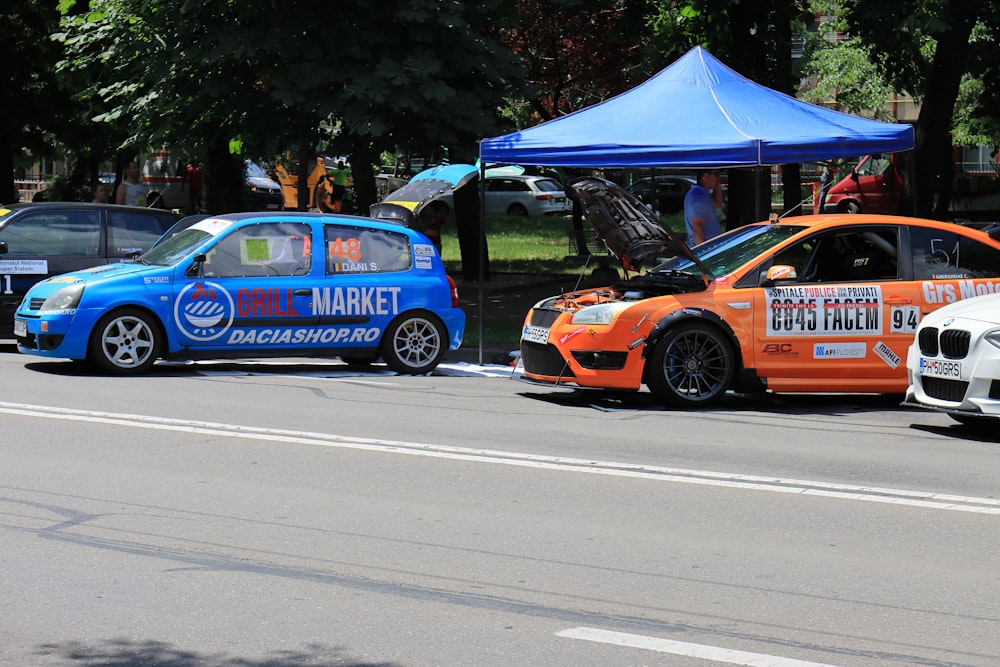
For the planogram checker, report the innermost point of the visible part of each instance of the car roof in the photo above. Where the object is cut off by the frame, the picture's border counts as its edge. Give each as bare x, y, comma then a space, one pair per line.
42, 205
851, 219
309, 215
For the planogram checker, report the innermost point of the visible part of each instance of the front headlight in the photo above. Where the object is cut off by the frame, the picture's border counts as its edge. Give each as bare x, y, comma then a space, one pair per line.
602, 313
65, 299
993, 338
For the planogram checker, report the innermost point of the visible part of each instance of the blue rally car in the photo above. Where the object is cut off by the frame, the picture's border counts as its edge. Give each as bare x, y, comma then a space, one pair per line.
254, 285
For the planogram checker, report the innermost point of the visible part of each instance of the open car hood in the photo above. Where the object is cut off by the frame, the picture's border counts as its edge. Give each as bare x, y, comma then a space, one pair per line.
631, 231
405, 203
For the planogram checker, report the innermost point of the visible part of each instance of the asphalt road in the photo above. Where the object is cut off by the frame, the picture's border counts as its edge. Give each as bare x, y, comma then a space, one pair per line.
302, 513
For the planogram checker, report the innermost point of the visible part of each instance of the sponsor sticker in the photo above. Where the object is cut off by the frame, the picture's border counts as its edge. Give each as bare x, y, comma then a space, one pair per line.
204, 310
824, 310
24, 266
885, 353
839, 351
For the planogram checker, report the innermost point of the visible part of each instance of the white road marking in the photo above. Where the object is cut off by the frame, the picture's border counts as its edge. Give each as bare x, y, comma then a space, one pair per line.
924, 499
713, 653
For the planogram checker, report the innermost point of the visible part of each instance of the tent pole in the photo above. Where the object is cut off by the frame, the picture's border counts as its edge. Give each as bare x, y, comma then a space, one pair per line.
482, 254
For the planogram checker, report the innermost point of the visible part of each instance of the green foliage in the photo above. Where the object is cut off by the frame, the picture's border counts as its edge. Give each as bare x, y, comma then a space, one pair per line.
844, 72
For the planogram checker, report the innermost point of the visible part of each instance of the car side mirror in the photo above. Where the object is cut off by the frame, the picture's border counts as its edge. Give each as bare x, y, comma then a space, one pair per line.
198, 268
779, 273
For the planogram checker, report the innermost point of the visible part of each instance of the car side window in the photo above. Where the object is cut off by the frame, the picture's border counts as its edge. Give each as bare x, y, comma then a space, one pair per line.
268, 249
54, 234
355, 250
131, 233
853, 255
939, 254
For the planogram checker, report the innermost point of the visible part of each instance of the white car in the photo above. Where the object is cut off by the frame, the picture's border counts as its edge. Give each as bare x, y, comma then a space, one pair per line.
953, 364
521, 196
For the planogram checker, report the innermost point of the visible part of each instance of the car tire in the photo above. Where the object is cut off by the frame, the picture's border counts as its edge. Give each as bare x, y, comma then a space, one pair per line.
414, 343
517, 211
849, 207
692, 365
125, 342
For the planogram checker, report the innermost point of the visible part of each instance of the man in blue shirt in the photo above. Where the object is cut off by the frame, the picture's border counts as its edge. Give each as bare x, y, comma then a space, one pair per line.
700, 204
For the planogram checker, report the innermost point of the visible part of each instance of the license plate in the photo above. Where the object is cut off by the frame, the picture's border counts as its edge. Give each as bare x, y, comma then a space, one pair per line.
534, 334
940, 369
20, 328
273, 207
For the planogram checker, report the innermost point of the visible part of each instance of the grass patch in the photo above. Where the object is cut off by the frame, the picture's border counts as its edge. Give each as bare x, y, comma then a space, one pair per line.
532, 245
536, 250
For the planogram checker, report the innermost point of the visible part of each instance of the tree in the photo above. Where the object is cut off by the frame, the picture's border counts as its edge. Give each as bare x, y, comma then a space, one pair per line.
927, 47
564, 46
755, 38
33, 103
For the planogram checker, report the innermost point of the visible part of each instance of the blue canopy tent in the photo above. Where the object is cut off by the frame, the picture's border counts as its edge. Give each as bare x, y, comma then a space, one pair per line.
696, 113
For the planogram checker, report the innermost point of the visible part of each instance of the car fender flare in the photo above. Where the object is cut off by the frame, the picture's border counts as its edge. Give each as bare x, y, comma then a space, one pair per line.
746, 378
155, 319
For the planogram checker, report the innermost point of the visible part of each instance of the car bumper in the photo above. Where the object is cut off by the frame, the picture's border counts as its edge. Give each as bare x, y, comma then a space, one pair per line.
559, 352
55, 335
265, 201
973, 389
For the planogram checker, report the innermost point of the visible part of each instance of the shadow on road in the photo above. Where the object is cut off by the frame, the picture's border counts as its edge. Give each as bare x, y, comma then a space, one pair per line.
115, 653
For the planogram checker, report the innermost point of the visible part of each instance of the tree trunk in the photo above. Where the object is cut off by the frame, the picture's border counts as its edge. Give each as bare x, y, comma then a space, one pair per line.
791, 185
8, 193
306, 159
224, 177
362, 156
933, 139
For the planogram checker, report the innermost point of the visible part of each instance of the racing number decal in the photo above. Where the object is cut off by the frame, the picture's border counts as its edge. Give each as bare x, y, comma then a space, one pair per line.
839, 310
346, 251
20, 267
789, 316
904, 319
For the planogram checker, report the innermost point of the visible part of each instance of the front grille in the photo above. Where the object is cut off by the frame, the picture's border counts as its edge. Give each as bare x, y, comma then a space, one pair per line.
952, 343
35, 303
955, 343
927, 339
544, 360
543, 317
944, 390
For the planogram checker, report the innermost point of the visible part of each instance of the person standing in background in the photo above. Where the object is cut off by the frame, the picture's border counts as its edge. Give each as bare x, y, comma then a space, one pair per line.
338, 181
193, 173
99, 193
700, 205
131, 191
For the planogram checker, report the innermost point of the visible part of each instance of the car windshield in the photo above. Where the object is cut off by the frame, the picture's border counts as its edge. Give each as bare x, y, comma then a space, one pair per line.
253, 171
728, 252
176, 248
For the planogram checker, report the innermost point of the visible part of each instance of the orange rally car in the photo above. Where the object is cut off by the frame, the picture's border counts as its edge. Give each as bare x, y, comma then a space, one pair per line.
807, 304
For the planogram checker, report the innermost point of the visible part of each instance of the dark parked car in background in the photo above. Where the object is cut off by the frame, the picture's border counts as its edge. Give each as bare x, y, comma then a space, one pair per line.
264, 190
44, 239
666, 194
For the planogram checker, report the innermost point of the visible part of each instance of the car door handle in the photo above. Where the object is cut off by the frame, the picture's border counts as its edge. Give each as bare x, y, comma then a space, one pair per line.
303, 292
897, 301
